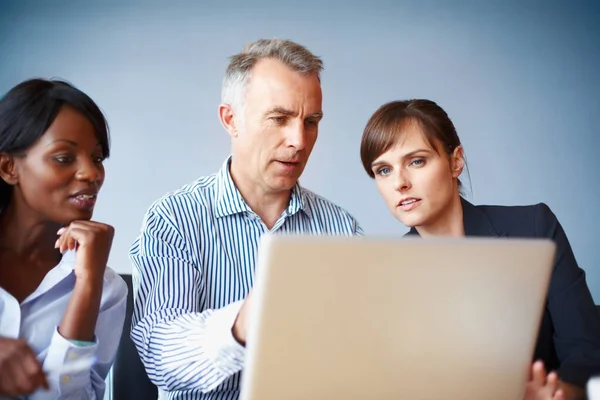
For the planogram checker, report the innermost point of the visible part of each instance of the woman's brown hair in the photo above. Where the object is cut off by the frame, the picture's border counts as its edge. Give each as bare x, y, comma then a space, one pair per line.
387, 123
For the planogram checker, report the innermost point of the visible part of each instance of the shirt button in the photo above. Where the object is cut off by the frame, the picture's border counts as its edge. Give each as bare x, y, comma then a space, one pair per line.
65, 379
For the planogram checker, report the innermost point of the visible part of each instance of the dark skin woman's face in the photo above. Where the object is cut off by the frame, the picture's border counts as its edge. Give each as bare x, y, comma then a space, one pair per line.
59, 176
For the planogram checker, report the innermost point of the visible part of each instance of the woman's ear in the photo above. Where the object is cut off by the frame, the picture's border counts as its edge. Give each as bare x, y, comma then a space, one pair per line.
8, 171
457, 161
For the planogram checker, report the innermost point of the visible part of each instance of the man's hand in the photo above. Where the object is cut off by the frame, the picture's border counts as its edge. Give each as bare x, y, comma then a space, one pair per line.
240, 326
20, 371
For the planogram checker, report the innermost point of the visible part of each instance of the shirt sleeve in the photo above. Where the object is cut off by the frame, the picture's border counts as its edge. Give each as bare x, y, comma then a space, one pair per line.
77, 371
358, 231
181, 346
572, 309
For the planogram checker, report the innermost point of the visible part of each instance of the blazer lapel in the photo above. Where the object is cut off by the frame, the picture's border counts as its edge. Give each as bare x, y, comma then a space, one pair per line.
476, 222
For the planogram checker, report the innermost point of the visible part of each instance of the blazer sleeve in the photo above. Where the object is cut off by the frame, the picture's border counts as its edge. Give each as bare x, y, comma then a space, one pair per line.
571, 307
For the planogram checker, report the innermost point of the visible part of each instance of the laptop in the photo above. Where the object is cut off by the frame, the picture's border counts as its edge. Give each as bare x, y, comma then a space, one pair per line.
384, 318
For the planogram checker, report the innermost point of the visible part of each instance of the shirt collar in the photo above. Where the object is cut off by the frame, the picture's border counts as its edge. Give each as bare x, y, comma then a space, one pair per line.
57, 274
298, 201
229, 200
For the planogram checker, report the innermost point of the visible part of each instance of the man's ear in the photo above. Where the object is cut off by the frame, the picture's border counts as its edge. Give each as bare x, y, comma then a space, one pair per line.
458, 161
228, 120
8, 171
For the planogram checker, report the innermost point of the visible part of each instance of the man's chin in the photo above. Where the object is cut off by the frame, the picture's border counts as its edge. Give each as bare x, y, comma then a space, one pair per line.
281, 184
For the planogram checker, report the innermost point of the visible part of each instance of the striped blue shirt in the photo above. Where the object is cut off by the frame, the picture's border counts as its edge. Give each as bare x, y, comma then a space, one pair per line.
193, 265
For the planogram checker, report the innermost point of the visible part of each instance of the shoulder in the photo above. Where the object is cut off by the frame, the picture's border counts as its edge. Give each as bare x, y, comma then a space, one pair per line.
114, 289
526, 220
321, 208
192, 193
186, 201
320, 204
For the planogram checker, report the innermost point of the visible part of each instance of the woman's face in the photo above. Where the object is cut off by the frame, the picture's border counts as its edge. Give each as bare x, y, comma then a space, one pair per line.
59, 176
418, 183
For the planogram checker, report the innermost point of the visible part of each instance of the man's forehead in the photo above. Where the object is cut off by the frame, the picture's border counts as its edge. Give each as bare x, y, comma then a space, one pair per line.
285, 101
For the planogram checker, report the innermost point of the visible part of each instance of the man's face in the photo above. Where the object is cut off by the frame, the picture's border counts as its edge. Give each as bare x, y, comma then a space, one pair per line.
282, 110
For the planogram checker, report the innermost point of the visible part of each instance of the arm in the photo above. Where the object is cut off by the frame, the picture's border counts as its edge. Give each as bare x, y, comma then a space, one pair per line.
358, 231
572, 309
75, 364
78, 371
182, 346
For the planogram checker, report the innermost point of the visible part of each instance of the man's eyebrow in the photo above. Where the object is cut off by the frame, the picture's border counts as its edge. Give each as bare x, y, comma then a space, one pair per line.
290, 113
281, 110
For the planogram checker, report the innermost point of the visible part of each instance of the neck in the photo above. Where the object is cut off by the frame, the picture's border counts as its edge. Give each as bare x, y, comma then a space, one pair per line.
449, 223
27, 236
268, 205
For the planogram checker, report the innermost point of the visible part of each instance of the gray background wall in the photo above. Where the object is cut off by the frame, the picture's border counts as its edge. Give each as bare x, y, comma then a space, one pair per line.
519, 80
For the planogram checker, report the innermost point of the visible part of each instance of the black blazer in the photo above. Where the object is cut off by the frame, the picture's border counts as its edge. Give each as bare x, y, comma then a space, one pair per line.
569, 336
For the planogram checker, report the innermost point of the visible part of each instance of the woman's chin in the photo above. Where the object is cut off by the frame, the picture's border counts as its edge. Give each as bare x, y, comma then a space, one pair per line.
410, 221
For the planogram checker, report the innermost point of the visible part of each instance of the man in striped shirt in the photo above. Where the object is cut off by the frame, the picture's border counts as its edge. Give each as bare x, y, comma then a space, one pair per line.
193, 263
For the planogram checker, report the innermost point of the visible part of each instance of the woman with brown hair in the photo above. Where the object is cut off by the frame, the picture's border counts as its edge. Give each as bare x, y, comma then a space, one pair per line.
413, 152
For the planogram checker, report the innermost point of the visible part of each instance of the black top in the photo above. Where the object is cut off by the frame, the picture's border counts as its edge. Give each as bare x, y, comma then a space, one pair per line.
569, 336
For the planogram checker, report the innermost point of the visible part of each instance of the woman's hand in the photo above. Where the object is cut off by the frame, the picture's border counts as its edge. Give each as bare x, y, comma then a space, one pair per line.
542, 386
20, 371
93, 241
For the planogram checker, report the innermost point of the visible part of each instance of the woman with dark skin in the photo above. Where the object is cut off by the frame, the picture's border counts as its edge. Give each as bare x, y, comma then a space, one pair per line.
61, 308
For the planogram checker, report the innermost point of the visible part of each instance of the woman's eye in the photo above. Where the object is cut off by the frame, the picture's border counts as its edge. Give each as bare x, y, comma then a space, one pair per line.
418, 162
383, 171
63, 159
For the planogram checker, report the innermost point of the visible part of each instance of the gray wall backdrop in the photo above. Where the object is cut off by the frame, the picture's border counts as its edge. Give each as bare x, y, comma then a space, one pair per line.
519, 80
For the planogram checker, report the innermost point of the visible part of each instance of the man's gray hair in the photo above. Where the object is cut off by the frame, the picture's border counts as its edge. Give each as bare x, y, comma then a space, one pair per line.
237, 76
